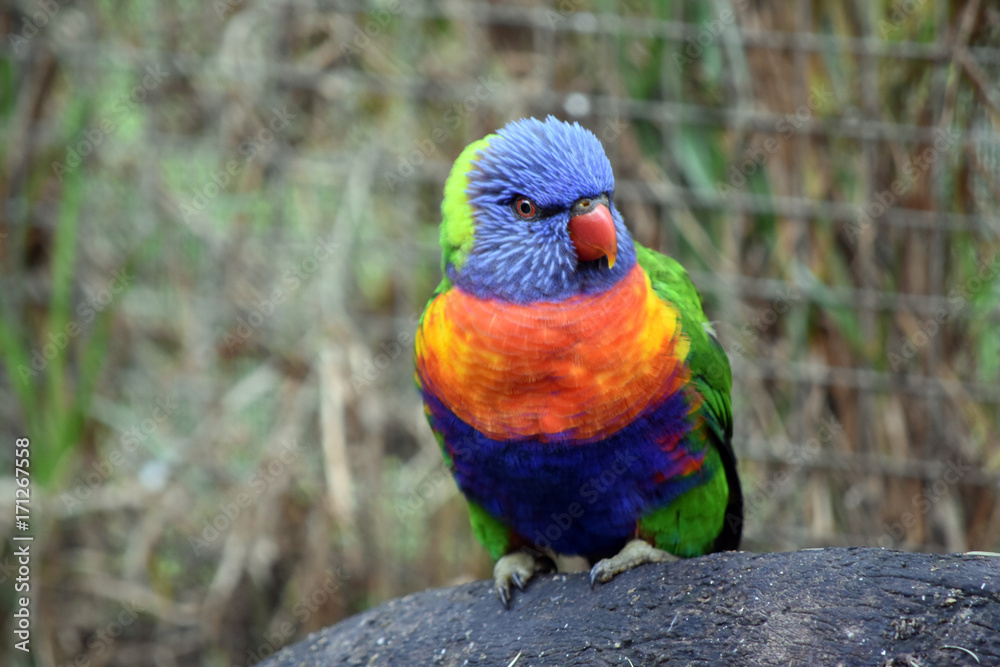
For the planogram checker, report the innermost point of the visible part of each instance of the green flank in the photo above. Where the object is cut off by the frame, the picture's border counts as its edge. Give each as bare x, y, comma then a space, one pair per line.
689, 526
489, 531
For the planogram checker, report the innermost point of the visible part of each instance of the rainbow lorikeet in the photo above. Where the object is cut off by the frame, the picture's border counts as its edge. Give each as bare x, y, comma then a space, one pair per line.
577, 389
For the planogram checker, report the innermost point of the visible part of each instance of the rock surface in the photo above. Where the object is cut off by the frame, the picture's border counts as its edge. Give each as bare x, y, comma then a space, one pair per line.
853, 606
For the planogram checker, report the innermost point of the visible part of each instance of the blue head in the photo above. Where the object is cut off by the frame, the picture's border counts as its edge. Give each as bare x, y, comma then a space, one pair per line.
526, 210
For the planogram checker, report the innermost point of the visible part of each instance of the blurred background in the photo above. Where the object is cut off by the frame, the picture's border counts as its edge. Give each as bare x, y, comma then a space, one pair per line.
219, 225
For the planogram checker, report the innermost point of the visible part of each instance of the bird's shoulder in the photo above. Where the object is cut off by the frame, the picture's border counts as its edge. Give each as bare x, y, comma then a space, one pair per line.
710, 370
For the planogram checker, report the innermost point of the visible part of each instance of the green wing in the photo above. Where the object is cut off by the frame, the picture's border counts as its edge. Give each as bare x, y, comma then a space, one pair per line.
711, 374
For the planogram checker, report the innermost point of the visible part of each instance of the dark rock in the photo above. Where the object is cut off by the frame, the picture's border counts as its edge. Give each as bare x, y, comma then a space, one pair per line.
853, 606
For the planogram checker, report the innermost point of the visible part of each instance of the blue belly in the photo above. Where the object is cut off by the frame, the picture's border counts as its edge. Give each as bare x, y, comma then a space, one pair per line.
580, 498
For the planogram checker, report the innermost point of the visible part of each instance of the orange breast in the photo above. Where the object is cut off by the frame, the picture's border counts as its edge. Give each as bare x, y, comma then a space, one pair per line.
583, 368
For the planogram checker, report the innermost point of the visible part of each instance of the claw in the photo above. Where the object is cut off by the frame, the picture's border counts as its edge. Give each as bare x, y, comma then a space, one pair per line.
636, 552
503, 595
517, 568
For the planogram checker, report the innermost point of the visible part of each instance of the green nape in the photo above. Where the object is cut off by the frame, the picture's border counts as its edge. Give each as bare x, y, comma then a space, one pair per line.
457, 226
489, 531
688, 526
709, 364
671, 283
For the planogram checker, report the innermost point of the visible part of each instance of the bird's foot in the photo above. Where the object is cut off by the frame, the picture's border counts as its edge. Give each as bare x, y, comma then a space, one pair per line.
517, 568
634, 553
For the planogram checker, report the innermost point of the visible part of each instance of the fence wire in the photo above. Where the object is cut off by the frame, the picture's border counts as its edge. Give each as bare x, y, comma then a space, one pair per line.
269, 176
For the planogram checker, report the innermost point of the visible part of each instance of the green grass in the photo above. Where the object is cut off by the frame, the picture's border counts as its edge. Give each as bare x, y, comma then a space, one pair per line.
325, 175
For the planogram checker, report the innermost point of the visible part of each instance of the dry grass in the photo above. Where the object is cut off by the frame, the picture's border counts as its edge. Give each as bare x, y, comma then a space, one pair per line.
254, 372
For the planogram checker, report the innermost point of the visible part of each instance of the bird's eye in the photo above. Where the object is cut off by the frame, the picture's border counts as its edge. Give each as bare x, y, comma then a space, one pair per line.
525, 208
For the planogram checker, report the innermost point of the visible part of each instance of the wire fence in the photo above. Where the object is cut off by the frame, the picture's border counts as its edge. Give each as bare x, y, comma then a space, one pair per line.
235, 204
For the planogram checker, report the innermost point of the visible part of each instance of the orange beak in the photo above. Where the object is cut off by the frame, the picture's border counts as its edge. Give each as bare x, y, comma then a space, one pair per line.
593, 234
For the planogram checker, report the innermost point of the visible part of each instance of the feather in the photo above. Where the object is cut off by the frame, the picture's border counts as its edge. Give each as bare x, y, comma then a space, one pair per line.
578, 405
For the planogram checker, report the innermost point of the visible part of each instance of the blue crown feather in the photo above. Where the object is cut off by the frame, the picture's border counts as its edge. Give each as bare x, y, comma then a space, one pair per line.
554, 164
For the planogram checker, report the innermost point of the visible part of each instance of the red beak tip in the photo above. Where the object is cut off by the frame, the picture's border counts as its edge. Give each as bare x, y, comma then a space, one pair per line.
594, 236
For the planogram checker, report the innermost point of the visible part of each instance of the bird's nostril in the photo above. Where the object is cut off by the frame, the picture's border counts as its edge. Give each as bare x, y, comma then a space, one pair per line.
585, 203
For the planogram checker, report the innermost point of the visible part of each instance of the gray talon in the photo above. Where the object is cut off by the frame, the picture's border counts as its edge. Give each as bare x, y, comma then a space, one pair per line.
503, 596
636, 552
517, 568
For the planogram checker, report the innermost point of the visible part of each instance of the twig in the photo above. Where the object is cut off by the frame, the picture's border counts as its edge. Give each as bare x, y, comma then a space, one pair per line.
959, 648
965, 24
673, 621
979, 82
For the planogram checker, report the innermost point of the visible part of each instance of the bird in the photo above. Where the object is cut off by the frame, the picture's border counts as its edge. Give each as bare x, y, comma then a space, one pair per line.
578, 392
